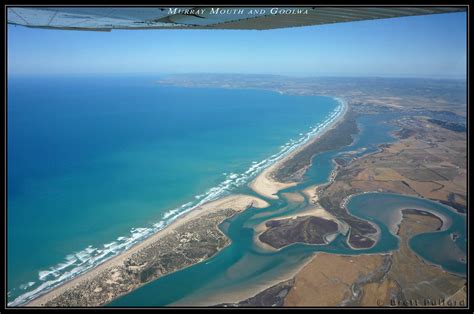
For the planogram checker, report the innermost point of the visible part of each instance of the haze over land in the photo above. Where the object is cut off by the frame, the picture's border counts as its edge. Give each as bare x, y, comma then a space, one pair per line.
201, 188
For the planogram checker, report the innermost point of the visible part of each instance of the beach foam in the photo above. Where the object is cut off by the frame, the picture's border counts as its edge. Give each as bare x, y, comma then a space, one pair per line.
84, 260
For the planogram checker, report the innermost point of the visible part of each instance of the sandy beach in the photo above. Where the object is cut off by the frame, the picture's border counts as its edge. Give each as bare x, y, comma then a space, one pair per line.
237, 202
265, 183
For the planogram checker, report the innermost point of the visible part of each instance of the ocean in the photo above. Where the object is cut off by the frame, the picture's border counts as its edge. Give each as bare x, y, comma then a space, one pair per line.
242, 269
98, 163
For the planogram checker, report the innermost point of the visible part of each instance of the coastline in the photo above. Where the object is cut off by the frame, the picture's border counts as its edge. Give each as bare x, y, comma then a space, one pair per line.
266, 185
274, 186
238, 202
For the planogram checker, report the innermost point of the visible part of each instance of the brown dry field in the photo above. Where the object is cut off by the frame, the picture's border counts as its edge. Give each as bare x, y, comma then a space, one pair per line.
328, 279
323, 283
430, 164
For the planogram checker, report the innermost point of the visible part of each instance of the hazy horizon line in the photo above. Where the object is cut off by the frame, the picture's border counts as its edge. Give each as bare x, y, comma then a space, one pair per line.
242, 74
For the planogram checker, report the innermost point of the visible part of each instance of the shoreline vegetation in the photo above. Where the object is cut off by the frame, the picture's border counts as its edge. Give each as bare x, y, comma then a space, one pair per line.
108, 280
268, 184
210, 214
284, 173
312, 211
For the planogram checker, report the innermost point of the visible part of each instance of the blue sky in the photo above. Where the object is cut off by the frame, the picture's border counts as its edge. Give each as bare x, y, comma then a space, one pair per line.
422, 46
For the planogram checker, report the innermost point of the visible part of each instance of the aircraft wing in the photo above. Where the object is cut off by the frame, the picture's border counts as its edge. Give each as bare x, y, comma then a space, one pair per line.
249, 18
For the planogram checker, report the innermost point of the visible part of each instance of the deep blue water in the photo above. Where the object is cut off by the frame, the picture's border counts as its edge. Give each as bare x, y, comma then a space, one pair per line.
89, 158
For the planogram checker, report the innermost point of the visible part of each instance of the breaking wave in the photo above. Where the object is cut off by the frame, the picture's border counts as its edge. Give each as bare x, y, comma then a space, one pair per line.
80, 262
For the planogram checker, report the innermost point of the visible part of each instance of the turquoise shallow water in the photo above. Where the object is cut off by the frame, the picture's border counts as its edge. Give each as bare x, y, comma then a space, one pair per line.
435, 247
244, 267
97, 163
90, 158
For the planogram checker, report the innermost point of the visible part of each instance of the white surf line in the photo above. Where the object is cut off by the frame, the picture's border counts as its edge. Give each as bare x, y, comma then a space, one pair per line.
80, 262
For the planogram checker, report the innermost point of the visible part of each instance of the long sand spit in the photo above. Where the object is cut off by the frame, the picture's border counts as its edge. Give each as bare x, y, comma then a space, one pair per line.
266, 185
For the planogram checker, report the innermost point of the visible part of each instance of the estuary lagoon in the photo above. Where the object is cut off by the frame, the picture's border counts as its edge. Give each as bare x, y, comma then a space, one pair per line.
243, 269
